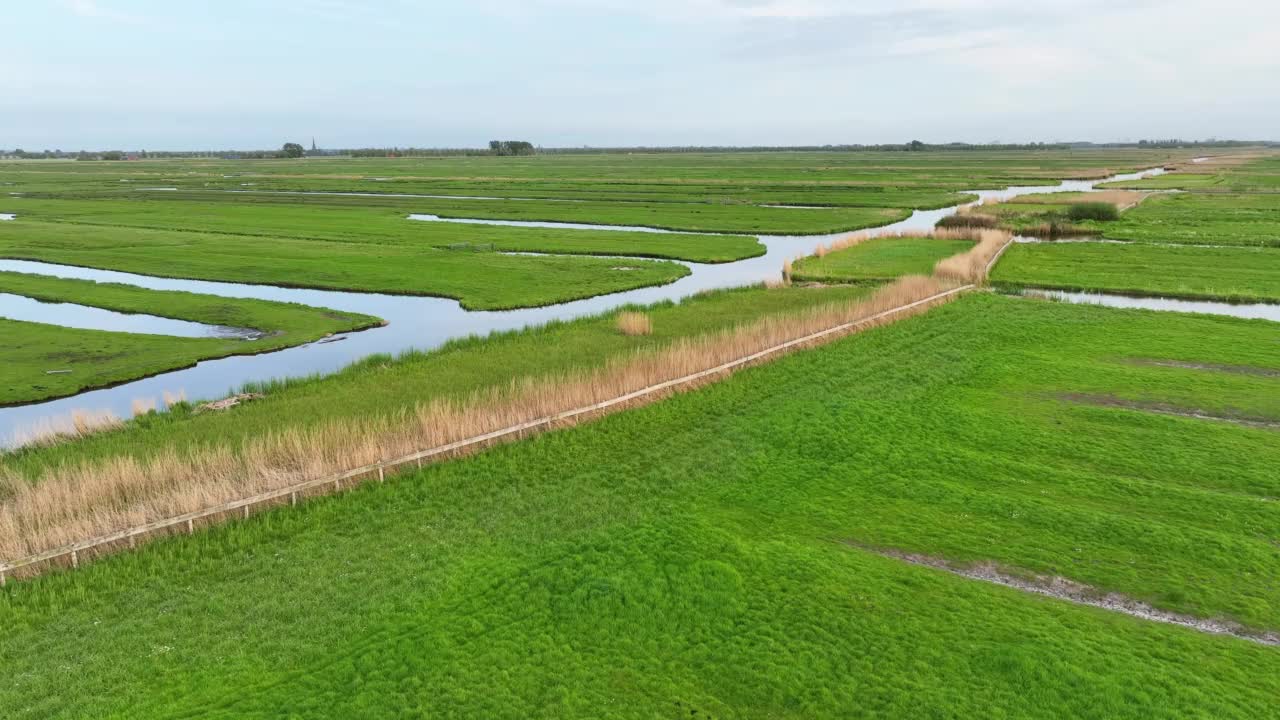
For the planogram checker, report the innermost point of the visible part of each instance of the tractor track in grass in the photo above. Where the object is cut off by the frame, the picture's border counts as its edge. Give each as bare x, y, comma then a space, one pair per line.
1060, 588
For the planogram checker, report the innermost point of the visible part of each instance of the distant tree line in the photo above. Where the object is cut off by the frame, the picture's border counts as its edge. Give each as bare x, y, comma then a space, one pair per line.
1175, 143
519, 147
395, 152
510, 147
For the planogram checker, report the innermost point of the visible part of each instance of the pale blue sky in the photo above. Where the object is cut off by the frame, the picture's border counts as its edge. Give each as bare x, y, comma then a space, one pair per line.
167, 74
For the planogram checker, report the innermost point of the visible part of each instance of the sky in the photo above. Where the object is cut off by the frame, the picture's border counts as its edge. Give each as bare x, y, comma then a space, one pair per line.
250, 74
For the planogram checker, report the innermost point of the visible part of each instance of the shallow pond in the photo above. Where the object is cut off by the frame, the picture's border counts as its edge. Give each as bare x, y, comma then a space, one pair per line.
1252, 311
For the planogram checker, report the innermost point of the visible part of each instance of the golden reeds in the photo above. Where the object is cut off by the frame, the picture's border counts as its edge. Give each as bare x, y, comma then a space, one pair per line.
1122, 199
77, 424
634, 323
76, 502
967, 219
972, 266
142, 406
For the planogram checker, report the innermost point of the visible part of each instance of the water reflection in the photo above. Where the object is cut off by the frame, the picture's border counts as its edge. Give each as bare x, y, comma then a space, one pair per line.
1253, 311
19, 307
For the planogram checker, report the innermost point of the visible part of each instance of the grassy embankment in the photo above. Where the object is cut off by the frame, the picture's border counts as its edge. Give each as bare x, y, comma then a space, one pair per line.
1203, 219
635, 191
294, 215
603, 173
98, 358
1235, 203
1245, 268
651, 582
381, 387
1049, 215
44, 515
478, 280
878, 259
1230, 274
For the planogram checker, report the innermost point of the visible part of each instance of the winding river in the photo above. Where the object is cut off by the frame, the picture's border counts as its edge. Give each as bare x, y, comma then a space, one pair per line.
420, 323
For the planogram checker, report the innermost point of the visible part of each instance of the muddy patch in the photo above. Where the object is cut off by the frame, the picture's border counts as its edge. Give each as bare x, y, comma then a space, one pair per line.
1169, 409
1209, 367
1064, 589
228, 403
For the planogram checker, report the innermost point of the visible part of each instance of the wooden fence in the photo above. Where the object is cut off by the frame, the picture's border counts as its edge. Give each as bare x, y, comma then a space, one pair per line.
72, 555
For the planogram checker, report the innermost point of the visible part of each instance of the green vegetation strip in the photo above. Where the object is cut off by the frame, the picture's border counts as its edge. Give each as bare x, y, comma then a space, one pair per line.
649, 582
98, 358
1202, 219
478, 280
877, 260
204, 210
380, 386
1230, 274
370, 221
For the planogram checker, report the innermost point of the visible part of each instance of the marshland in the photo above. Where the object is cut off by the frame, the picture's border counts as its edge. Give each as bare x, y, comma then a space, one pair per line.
807, 394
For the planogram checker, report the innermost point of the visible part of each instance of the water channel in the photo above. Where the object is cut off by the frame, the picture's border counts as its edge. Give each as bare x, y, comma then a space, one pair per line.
420, 323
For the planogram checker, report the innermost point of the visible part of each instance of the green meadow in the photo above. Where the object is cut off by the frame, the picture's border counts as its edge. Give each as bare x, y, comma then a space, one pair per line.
367, 221
302, 215
524, 582
479, 278
877, 260
1231, 274
728, 552
96, 358
1196, 218
382, 386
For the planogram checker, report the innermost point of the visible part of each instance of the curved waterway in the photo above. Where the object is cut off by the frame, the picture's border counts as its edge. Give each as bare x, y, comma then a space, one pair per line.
85, 317
420, 323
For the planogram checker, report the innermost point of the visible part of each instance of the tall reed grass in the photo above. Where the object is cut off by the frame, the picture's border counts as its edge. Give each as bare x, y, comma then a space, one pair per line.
634, 323
76, 425
92, 498
969, 220
973, 265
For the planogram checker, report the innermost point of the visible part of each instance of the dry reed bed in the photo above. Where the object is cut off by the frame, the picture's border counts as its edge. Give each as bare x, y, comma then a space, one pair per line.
634, 323
83, 423
75, 503
973, 265
1120, 198
852, 239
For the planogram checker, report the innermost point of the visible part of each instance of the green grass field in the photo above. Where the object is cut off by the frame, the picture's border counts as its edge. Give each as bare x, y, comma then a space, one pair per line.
479, 280
1232, 274
875, 260
382, 386
383, 218
98, 358
1202, 219
722, 553
525, 582
365, 221
950, 171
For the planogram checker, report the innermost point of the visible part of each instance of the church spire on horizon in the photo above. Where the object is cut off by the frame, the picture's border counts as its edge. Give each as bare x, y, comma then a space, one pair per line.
313, 143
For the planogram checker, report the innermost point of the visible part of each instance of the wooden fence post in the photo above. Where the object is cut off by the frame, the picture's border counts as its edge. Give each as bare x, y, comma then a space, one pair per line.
191, 527
75, 559
381, 478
